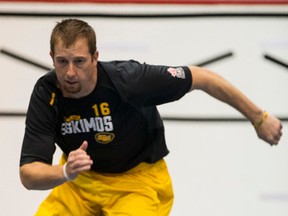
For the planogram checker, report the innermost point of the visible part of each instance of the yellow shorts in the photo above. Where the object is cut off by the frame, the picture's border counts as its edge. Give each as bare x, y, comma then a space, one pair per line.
145, 190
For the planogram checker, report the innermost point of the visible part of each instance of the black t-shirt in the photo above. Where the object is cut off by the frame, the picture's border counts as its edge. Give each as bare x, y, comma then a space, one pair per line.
119, 118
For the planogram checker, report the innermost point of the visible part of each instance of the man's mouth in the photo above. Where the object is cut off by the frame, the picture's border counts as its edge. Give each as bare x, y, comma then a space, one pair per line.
71, 82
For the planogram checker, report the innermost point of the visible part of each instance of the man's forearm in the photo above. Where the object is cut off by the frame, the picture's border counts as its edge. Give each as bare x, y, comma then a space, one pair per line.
41, 176
219, 88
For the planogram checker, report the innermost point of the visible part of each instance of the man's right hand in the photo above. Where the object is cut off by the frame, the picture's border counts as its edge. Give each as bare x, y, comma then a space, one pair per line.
78, 161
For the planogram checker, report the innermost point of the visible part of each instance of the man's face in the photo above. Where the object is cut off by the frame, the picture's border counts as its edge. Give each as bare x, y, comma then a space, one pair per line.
75, 68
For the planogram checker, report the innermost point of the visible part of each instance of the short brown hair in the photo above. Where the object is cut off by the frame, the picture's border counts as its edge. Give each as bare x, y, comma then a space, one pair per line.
69, 30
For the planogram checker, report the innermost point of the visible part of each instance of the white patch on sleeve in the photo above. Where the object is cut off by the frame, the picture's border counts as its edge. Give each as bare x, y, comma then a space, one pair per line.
177, 72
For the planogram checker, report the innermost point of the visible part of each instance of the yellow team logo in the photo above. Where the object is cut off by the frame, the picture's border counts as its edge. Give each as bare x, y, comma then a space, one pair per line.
104, 137
72, 118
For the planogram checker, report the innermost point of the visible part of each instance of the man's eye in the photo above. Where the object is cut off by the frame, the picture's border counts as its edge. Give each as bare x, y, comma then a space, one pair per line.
79, 61
62, 62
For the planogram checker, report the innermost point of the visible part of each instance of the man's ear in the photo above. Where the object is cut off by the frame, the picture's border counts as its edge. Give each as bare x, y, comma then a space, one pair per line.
52, 56
95, 56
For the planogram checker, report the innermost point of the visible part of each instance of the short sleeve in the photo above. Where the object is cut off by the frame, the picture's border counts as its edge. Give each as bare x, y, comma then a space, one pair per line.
147, 85
39, 138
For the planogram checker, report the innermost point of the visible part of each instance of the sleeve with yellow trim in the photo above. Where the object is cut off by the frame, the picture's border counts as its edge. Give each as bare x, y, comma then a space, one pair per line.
39, 138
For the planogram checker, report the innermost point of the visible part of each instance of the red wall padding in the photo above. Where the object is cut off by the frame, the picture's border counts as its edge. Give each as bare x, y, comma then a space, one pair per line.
242, 2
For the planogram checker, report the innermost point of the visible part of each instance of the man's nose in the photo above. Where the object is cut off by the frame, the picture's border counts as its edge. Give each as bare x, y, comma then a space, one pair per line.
71, 70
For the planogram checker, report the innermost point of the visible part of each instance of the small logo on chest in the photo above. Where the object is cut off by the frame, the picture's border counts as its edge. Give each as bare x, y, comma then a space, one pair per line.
104, 137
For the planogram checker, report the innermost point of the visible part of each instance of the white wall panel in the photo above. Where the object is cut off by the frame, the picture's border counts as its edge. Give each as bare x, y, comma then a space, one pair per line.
217, 168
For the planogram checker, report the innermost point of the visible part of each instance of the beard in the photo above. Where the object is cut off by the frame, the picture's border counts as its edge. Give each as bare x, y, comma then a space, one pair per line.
72, 88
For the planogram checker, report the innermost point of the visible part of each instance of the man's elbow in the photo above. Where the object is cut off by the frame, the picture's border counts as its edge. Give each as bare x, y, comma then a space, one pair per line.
25, 178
